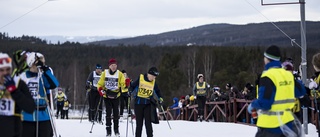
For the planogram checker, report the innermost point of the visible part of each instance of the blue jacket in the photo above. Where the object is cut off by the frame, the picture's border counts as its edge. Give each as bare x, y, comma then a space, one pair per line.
176, 104
267, 91
49, 82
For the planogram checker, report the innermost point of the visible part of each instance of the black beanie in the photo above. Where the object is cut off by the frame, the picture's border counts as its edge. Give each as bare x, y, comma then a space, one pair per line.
124, 71
98, 66
153, 71
273, 53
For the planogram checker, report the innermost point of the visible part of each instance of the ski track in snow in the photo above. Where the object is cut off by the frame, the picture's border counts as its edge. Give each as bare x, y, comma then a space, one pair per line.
73, 128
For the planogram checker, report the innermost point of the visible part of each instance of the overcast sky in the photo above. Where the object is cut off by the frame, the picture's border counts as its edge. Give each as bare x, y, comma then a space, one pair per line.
138, 17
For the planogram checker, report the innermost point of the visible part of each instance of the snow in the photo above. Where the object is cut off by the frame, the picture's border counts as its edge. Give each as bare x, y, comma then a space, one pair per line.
73, 128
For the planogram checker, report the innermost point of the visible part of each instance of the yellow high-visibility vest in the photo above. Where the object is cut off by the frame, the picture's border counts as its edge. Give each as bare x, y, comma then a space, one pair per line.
280, 111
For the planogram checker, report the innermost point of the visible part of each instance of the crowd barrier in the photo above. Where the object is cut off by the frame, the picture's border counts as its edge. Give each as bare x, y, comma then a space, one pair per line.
234, 110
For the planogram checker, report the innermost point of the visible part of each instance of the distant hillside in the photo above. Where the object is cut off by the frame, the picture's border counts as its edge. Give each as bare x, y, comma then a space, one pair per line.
257, 34
54, 39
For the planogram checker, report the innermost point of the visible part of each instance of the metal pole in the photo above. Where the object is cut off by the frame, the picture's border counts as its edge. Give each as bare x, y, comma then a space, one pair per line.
303, 42
305, 119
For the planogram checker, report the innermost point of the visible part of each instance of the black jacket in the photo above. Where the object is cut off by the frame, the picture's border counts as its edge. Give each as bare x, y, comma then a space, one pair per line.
11, 125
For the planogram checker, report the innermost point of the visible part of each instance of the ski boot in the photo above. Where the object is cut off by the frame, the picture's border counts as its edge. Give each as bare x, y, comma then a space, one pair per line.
201, 118
117, 134
108, 135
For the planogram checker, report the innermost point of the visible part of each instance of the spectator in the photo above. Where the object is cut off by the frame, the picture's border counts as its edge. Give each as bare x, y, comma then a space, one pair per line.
200, 91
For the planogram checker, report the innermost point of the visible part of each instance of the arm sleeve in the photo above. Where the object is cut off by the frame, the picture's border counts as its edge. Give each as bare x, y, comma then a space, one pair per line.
267, 91
299, 89
23, 98
100, 84
194, 90
157, 90
89, 79
133, 85
122, 82
50, 81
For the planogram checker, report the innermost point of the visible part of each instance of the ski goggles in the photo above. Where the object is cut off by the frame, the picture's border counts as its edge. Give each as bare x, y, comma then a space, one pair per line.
5, 62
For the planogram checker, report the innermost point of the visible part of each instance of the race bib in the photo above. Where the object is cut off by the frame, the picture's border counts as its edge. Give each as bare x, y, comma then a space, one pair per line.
6, 107
200, 92
144, 93
112, 83
33, 88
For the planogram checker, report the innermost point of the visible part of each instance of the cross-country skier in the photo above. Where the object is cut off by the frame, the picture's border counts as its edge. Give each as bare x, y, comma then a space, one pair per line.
14, 97
110, 82
38, 87
94, 96
146, 93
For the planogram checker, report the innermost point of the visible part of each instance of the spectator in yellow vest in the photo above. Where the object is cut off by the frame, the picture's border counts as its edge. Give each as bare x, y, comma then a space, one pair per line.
276, 96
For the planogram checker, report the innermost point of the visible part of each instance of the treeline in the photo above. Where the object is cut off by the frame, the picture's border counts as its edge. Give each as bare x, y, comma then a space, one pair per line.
178, 65
258, 34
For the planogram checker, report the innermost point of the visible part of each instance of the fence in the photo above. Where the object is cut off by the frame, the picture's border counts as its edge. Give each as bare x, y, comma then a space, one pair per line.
234, 110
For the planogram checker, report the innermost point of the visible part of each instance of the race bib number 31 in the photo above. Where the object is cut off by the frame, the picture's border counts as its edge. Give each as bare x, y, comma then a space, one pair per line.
6, 107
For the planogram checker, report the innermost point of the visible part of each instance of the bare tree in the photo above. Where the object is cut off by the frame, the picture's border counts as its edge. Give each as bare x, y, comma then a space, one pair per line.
207, 65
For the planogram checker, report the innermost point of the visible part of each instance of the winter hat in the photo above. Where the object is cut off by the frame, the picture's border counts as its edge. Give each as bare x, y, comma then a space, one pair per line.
192, 98
153, 71
249, 86
229, 85
272, 53
33, 57
112, 61
98, 66
199, 75
5, 60
182, 97
287, 66
124, 71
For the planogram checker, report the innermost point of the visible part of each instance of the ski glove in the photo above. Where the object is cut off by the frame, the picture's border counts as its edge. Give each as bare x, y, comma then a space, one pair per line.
101, 91
41, 65
160, 100
9, 83
313, 85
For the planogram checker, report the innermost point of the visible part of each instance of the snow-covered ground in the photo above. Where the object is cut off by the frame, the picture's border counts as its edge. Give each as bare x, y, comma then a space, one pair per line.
73, 128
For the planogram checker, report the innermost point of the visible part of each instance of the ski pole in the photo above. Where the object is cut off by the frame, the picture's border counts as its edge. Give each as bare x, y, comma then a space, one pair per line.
165, 116
84, 107
53, 124
131, 115
95, 117
129, 111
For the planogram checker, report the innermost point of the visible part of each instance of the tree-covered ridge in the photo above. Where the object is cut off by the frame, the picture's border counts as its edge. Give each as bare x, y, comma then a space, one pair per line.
254, 34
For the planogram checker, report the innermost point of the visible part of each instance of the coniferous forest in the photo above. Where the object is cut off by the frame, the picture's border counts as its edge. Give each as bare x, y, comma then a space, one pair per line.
178, 65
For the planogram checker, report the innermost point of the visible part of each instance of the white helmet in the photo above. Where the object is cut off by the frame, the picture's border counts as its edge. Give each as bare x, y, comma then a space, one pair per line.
33, 57
5, 60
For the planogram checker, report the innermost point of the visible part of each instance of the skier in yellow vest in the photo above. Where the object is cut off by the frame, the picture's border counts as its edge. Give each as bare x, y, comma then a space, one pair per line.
200, 92
276, 97
60, 98
110, 82
146, 92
